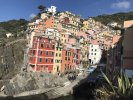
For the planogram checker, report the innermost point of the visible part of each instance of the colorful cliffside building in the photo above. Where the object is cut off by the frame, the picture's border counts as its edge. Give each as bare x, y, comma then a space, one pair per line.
70, 58
42, 54
57, 58
74, 41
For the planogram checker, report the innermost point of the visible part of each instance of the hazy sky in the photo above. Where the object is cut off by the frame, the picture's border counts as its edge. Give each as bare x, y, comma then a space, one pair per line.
16, 9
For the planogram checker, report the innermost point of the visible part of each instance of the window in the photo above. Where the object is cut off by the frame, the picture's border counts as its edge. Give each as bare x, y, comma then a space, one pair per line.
60, 55
95, 49
57, 48
95, 53
52, 53
56, 54
70, 66
58, 61
47, 45
46, 68
40, 52
41, 68
33, 52
46, 60
46, 52
91, 49
40, 59
51, 60
66, 53
65, 58
65, 66
42, 45
52, 46
60, 49
91, 53
77, 56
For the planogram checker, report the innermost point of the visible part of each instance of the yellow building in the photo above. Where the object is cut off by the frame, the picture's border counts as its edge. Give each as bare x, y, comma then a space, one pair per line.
64, 36
85, 26
57, 58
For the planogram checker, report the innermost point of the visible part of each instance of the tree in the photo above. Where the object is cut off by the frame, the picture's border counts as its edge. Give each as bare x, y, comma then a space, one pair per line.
41, 8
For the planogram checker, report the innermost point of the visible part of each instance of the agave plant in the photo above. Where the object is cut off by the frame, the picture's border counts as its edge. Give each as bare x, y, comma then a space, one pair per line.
122, 90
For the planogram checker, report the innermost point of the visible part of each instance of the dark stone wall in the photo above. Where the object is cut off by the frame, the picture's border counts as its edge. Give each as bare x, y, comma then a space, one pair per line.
128, 49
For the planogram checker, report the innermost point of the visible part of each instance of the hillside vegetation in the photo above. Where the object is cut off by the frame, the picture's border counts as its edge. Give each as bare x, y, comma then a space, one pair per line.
118, 17
13, 26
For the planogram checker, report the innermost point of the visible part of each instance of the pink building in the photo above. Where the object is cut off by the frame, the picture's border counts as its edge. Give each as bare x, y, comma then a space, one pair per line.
72, 41
82, 34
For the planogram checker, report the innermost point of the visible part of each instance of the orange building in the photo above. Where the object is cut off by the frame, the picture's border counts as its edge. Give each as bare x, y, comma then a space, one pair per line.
70, 59
49, 22
128, 23
66, 60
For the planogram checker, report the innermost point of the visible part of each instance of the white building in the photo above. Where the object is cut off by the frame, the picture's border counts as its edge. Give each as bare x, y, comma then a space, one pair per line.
52, 9
9, 35
95, 53
52, 32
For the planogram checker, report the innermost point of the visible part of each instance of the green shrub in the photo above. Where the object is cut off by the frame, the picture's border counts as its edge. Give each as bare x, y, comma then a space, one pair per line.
122, 90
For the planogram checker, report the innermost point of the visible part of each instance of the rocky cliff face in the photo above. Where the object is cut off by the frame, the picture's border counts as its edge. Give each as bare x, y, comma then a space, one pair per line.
11, 59
24, 82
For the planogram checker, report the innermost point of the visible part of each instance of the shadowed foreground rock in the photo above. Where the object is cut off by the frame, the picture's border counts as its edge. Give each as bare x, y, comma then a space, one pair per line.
31, 97
28, 84
31, 81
